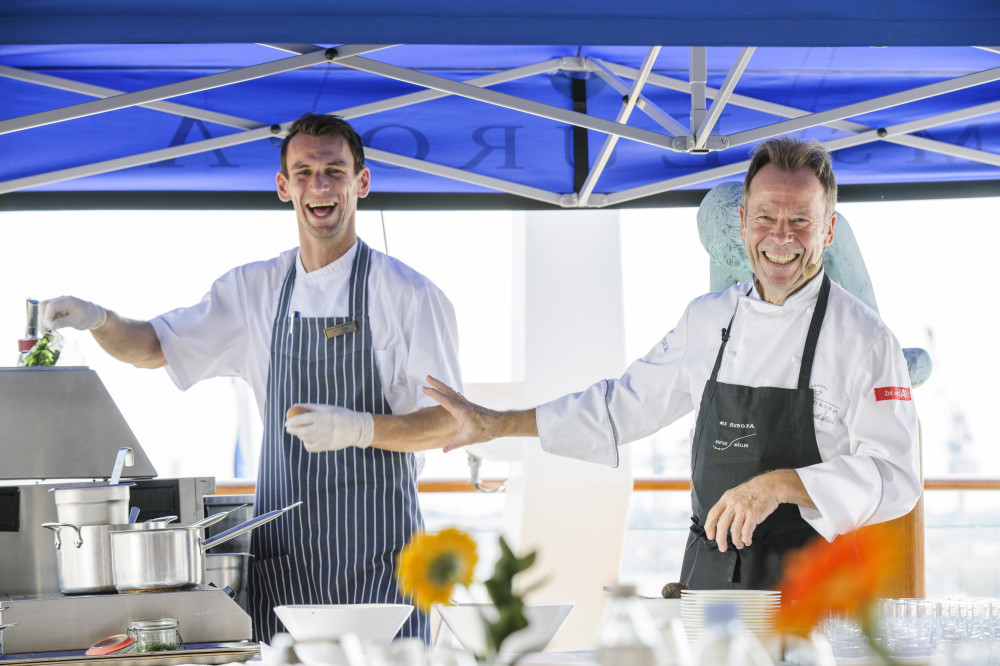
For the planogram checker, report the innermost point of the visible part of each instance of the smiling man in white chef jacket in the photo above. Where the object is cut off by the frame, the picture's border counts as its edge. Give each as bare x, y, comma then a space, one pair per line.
344, 334
805, 423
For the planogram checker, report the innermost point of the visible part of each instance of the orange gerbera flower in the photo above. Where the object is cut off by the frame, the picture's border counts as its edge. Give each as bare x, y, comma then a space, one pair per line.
431, 565
846, 576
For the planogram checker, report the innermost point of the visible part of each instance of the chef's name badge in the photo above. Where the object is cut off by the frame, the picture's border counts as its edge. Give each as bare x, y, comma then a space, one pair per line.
892, 393
340, 329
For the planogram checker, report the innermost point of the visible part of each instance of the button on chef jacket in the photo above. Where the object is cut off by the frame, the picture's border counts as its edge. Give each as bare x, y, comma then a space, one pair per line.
863, 414
228, 333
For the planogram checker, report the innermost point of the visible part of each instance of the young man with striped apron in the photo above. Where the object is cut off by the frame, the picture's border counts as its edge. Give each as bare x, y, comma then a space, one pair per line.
336, 328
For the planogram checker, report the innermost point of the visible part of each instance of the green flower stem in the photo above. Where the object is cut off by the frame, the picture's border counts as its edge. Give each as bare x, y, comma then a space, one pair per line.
510, 606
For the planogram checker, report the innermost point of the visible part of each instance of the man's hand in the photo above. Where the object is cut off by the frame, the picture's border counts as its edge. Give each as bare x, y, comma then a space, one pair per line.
476, 423
67, 311
330, 428
741, 509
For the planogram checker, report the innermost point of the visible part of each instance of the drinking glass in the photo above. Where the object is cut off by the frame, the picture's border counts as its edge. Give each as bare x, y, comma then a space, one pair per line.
994, 620
909, 626
963, 620
845, 636
993, 629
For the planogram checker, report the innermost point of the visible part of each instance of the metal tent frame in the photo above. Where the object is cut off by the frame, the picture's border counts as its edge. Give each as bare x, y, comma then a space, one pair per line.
625, 112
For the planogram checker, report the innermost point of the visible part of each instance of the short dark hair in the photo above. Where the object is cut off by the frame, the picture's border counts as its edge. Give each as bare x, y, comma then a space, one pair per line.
316, 124
789, 154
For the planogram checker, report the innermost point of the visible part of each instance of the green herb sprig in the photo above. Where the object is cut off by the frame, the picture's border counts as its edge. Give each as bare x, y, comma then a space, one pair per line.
510, 605
43, 353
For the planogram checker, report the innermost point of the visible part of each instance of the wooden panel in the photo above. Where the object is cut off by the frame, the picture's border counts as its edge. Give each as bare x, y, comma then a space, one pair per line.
908, 580
246, 487
908, 531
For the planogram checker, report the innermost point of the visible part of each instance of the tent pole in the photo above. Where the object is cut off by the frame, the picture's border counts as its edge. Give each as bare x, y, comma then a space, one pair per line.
662, 118
698, 76
623, 115
875, 104
722, 98
581, 157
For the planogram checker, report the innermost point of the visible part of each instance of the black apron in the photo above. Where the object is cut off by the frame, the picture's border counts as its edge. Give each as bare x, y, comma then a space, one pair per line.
360, 505
743, 432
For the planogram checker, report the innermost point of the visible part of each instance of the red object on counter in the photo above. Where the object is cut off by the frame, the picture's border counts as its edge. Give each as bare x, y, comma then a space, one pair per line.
110, 645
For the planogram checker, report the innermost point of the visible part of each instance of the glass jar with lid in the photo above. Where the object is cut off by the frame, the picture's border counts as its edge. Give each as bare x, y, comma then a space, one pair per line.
155, 635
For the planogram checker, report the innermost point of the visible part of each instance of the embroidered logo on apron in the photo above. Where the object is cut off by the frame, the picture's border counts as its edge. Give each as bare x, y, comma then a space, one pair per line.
747, 430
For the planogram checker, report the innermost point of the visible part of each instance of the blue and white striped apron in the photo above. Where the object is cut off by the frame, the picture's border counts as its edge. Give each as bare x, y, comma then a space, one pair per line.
359, 505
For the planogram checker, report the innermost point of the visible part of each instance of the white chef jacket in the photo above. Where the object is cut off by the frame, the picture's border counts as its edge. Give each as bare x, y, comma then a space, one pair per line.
228, 333
866, 425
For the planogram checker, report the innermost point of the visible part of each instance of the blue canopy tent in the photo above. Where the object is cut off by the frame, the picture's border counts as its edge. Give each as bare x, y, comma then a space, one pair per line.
113, 102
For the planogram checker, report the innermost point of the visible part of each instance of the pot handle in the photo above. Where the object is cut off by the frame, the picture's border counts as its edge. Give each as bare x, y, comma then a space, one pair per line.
55, 527
234, 532
124, 459
228, 590
164, 519
215, 517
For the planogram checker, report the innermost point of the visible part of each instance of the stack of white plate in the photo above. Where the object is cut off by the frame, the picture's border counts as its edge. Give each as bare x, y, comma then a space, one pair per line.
755, 609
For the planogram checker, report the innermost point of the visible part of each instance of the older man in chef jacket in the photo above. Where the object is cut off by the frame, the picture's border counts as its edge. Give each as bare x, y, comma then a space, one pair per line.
341, 334
805, 423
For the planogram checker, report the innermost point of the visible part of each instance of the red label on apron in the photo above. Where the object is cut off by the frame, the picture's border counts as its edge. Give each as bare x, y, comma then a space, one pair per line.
892, 393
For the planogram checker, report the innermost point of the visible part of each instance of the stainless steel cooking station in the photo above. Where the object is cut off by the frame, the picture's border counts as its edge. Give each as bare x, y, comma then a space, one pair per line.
59, 428
75, 622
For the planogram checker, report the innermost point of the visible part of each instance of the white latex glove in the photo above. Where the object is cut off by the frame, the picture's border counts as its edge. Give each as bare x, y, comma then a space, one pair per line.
331, 428
67, 311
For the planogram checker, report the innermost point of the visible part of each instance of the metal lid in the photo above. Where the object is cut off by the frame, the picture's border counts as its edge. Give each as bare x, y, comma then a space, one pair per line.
111, 645
61, 423
211, 500
153, 625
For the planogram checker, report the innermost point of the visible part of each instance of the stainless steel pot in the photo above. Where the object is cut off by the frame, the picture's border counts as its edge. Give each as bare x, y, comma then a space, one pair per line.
225, 570
92, 505
83, 558
83, 564
170, 558
164, 559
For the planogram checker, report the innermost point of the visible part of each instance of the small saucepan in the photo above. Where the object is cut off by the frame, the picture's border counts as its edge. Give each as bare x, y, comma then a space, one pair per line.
83, 562
170, 558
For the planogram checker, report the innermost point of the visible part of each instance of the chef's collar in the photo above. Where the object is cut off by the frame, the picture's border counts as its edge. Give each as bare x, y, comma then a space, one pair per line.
808, 293
344, 263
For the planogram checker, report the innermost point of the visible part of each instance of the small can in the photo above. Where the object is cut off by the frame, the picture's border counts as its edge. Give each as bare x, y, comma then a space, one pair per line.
155, 635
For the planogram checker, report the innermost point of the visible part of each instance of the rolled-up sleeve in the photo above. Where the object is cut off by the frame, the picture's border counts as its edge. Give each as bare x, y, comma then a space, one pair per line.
879, 478
653, 392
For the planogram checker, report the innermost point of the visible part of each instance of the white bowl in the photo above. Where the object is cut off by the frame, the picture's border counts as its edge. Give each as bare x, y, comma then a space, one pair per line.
377, 623
662, 610
465, 621
319, 653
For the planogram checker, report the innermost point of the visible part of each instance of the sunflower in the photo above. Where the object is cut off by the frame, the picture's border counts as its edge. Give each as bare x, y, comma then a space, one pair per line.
431, 565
